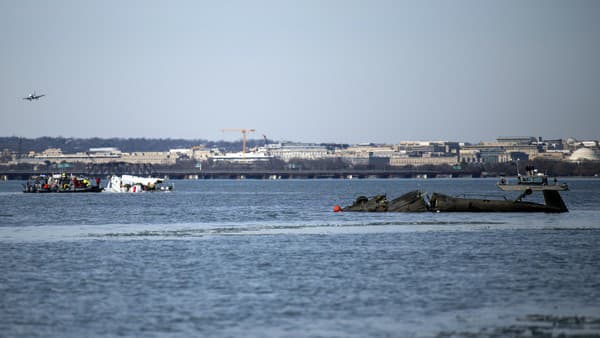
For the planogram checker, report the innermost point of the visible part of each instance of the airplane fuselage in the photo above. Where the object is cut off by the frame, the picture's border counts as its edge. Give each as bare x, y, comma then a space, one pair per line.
32, 97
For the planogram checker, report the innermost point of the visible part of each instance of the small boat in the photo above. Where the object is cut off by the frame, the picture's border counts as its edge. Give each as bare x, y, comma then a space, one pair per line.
534, 181
61, 183
130, 183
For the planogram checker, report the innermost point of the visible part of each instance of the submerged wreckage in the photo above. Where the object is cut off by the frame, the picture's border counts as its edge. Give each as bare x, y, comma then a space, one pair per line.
130, 183
417, 201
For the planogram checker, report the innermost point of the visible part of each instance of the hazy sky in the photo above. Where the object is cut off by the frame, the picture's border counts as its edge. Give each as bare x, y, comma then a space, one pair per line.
312, 71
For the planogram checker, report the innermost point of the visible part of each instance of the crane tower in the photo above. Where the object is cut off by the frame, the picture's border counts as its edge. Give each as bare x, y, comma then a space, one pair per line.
244, 133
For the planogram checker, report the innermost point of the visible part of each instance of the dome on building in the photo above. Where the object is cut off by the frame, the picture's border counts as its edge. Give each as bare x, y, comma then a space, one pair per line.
584, 154
570, 140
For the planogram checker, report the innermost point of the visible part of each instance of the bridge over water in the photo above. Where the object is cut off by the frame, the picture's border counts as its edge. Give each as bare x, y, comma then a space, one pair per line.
149, 170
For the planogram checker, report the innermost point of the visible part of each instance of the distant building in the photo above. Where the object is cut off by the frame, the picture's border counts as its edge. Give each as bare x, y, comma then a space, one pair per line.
55, 155
181, 152
101, 155
104, 151
470, 155
245, 158
437, 148
366, 154
585, 154
553, 155
494, 155
199, 153
551, 144
416, 153
517, 140
289, 151
400, 160
149, 157
499, 152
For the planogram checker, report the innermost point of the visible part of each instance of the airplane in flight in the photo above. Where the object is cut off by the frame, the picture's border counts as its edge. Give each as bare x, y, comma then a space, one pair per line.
32, 97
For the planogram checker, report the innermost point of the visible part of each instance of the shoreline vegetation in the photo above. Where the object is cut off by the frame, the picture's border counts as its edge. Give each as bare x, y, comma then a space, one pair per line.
73, 145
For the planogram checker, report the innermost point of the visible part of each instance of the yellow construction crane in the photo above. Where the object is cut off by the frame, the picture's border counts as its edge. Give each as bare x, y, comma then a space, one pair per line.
244, 132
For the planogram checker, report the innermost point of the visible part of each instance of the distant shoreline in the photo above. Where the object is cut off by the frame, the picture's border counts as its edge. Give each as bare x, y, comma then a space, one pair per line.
289, 174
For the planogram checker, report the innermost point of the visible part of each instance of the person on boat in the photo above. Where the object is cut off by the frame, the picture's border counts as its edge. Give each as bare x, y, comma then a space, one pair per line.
97, 181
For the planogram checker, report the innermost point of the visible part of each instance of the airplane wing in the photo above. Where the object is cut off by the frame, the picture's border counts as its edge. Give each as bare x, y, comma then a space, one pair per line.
40, 96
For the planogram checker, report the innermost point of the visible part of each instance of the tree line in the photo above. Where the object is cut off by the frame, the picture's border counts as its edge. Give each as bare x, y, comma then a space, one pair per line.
23, 145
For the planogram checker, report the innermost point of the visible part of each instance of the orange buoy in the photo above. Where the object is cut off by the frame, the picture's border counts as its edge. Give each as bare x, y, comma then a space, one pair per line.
337, 208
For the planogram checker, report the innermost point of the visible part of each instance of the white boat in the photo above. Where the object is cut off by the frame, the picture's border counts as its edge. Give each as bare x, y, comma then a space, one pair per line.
130, 183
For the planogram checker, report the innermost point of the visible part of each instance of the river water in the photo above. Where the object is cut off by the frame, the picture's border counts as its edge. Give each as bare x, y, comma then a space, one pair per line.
258, 258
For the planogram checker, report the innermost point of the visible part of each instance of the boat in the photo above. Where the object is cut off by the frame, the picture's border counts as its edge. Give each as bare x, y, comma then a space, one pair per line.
534, 181
61, 183
136, 184
417, 201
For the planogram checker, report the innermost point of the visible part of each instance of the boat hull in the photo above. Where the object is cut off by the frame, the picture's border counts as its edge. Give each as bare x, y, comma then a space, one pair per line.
532, 187
65, 191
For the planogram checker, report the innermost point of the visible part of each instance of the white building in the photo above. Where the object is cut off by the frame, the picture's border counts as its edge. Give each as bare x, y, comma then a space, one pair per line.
149, 157
289, 151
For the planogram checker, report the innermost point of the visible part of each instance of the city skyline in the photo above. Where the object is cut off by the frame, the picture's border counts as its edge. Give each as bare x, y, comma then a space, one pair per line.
261, 140
339, 71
